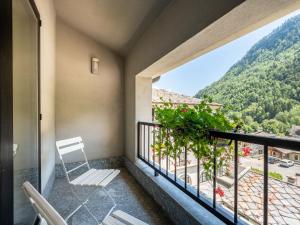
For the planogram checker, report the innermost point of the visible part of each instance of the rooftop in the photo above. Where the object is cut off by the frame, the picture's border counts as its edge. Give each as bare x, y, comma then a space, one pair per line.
284, 199
176, 98
284, 151
263, 133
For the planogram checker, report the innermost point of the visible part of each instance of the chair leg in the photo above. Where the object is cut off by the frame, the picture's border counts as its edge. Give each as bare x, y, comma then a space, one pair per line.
84, 202
72, 213
88, 210
114, 203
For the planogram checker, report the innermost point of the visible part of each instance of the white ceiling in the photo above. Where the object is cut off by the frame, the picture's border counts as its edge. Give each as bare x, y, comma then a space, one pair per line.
115, 23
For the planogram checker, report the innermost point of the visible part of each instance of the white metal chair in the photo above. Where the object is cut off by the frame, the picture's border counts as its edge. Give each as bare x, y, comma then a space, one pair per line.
92, 177
49, 216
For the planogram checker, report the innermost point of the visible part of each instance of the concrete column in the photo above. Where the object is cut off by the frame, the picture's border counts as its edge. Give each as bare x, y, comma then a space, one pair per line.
143, 112
143, 97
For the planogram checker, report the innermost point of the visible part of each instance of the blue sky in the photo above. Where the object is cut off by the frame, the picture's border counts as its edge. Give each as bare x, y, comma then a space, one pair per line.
189, 78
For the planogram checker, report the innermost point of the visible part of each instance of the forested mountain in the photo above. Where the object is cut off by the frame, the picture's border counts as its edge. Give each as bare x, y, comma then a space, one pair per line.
263, 88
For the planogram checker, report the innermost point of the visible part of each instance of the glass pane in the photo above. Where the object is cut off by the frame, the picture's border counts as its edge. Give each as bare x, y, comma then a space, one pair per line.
25, 107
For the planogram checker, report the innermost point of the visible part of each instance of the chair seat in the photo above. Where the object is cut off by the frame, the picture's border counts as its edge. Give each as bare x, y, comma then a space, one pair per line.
121, 218
94, 177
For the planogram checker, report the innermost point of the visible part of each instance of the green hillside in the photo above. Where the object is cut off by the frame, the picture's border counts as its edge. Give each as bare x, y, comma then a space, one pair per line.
263, 88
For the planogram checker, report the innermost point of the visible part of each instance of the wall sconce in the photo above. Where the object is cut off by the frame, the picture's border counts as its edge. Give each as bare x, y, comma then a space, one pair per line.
95, 66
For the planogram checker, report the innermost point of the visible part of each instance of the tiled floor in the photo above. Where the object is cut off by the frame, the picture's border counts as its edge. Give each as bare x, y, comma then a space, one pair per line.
128, 194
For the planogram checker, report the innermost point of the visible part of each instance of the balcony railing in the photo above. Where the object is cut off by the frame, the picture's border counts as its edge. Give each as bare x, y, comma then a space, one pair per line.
162, 166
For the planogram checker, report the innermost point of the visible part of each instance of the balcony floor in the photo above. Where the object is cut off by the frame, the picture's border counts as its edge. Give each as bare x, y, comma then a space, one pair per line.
128, 194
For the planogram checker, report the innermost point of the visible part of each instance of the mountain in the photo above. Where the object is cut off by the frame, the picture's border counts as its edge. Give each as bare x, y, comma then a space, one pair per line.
263, 88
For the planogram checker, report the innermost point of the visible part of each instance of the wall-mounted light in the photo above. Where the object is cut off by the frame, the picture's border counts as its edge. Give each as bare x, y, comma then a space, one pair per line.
95, 66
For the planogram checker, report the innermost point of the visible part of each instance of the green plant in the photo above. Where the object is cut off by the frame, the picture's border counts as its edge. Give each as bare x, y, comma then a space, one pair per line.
256, 170
263, 88
184, 127
274, 175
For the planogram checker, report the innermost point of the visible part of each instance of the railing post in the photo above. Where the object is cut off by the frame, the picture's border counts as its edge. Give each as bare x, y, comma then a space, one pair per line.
144, 141
175, 169
185, 167
148, 143
159, 156
153, 152
138, 140
167, 157
235, 181
266, 174
198, 176
214, 177
160, 136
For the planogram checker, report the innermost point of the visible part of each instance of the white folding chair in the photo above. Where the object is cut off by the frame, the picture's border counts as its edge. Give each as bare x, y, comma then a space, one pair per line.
49, 216
92, 177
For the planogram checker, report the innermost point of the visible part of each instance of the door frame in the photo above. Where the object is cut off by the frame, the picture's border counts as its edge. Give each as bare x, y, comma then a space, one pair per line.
39, 24
6, 110
6, 114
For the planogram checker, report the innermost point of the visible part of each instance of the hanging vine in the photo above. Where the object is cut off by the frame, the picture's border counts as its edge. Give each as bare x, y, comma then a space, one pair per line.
184, 127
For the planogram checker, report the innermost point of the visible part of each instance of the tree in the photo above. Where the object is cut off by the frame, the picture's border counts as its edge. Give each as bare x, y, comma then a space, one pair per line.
264, 86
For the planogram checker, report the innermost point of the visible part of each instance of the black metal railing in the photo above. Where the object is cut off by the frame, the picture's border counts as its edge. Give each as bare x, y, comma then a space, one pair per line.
147, 134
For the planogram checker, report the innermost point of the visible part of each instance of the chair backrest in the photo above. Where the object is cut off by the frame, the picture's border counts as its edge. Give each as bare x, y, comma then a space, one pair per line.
68, 146
42, 207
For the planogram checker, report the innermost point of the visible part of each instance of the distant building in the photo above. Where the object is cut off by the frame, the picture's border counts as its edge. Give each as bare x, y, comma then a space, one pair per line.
264, 134
295, 131
283, 153
159, 96
255, 149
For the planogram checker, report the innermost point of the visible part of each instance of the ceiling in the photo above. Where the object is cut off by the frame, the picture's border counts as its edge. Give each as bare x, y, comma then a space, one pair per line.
114, 23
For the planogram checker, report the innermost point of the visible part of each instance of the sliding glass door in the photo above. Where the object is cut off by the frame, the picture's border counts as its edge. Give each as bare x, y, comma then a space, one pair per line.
25, 106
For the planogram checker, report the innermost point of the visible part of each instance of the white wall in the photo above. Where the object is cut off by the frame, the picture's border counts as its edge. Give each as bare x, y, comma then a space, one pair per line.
88, 105
47, 12
25, 86
143, 98
177, 23
25, 106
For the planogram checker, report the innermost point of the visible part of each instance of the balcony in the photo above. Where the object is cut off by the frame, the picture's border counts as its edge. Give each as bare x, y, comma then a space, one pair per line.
247, 196
72, 69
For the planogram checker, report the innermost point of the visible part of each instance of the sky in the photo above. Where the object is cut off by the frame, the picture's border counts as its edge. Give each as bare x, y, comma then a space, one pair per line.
195, 75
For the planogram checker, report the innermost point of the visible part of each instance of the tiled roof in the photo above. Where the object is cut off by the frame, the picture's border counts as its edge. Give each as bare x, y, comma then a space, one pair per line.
157, 94
284, 199
265, 134
284, 151
175, 98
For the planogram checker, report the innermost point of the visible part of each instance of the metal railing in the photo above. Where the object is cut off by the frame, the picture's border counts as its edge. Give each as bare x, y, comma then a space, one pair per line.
147, 136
